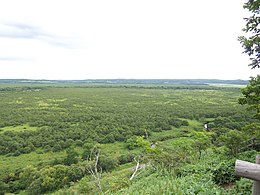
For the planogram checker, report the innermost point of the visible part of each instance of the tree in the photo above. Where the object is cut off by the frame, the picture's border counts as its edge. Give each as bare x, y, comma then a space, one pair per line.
92, 167
28, 175
3, 187
107, 163
251, 43
131, 143
252, 129
72, 157
233, 140
252, 95
201, 140
87, 150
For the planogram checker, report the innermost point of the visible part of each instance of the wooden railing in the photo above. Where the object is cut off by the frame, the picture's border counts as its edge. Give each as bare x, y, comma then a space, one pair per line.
251, 143
250, 171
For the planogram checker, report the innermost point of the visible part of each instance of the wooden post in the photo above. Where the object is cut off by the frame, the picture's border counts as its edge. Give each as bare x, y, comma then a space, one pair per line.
250, 171
256, 184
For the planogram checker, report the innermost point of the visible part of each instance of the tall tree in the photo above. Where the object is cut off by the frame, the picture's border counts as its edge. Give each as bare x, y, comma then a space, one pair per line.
251, 45
251, 42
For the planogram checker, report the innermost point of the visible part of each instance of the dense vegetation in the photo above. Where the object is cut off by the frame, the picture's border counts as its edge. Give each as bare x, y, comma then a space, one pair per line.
53, 134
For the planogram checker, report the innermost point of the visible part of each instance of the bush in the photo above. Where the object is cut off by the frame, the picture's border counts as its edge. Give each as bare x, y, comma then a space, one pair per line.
72, 157
233, 140
107, 163
243, 186
88, 147
3, 187
49, 179
125, 158
224, 173
131, 143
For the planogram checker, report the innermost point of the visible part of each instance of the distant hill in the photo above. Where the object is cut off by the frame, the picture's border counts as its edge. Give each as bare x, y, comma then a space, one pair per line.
130, 81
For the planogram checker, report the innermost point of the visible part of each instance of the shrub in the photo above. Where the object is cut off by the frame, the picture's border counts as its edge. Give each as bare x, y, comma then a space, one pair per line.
243, 186
107, 163
224, 172
72, 157
131, 143
232, 140
125, 158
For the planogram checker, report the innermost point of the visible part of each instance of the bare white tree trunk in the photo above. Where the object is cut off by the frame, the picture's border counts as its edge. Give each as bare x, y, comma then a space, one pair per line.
93, 170
137, 168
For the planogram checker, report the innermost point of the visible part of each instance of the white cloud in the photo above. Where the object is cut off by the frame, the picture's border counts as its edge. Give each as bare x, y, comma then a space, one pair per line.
122, 39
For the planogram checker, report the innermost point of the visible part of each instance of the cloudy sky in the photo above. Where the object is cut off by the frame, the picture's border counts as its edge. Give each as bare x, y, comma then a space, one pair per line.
83, 39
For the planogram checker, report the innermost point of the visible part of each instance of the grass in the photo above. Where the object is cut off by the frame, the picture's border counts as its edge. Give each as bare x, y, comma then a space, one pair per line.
168, 184
10, 164
193, 123
174, 133
114, 149
24, 127
197, 179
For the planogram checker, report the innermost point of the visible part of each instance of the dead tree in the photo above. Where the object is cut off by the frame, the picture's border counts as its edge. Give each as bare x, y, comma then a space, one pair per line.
93, 167
137, 168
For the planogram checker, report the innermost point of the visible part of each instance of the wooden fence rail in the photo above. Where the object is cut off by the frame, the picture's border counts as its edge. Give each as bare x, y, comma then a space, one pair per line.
250, 171
251, 143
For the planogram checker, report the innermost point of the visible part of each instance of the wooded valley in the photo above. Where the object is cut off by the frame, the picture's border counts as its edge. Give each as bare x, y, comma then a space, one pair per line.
85, 138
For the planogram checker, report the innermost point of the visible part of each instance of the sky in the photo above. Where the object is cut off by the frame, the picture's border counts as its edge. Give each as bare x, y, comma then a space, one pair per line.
111, 39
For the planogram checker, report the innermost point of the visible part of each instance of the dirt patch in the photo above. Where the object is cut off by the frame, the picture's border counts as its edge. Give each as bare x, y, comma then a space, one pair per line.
228, 186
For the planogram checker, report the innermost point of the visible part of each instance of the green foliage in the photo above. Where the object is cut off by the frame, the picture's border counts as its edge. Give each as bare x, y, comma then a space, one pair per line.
3, 187
224, 172
125, 158
144, 144
216, 135
169, 184
219, 168
75, 172
131, 143
106, 163
59, 118
87, 149
110, 182
72, 157
251, 95
233, 140
177, 122
169, 159
234, 121
49, 179
251, 42
243, 187
252, 130
27, 176
201, 140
